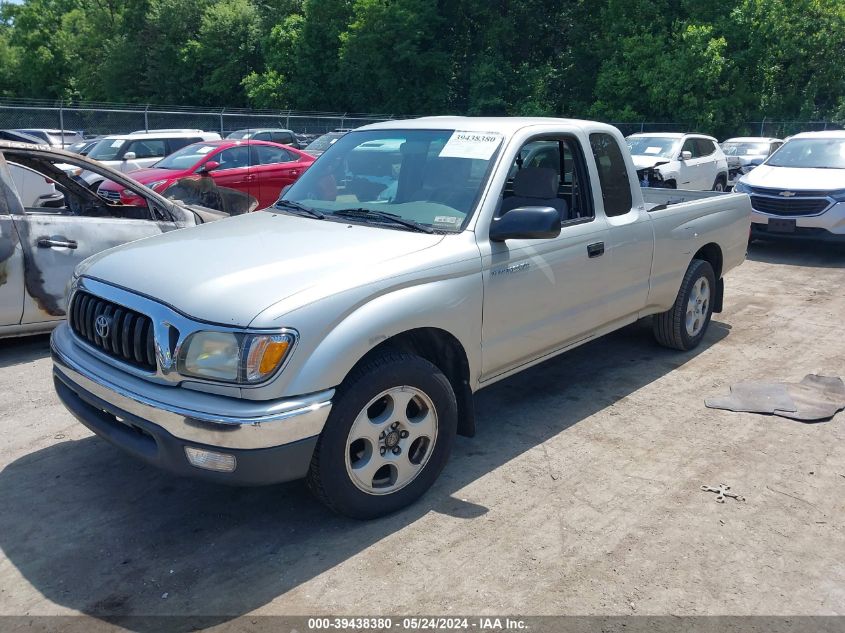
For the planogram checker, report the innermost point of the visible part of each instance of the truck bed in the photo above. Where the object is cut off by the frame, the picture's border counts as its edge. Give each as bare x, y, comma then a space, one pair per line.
656, 199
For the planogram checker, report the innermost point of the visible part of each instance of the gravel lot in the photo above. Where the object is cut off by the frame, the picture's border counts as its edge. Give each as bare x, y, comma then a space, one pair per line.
579, 495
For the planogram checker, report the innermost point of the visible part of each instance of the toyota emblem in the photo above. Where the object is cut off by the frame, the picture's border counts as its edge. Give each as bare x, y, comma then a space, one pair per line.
102, 325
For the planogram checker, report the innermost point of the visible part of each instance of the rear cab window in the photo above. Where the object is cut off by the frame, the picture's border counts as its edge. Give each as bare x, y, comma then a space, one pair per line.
613, 174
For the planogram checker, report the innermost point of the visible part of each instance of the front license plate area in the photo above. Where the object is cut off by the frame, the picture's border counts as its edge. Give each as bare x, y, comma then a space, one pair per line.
781, 226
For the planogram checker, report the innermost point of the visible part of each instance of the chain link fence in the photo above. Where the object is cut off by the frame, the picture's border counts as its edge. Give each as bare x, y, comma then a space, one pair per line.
95, 119
101, 118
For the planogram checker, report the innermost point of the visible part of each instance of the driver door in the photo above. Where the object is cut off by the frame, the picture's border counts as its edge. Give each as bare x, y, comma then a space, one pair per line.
53, 241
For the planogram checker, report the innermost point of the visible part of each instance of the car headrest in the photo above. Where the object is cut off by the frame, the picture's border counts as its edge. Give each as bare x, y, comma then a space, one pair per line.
536, 182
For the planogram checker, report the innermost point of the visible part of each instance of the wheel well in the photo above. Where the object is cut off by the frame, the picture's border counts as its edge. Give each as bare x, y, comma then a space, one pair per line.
442, 349
712, 254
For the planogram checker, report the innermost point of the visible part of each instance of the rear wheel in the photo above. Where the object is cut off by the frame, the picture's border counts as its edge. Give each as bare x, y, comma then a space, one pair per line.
685, 324
720, 184
387, 438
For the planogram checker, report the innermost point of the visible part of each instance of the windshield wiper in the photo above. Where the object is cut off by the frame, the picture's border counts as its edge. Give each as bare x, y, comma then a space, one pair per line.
362, 213
295, 206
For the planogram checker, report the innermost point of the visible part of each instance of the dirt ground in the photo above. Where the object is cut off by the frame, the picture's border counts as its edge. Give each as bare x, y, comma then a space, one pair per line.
580, 493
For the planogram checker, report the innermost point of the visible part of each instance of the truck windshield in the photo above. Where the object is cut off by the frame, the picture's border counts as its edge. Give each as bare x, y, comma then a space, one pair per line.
810, 153
107, 149
429, 177
652, 146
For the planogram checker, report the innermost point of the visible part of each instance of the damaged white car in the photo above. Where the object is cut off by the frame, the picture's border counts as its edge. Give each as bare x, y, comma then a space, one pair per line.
42, 241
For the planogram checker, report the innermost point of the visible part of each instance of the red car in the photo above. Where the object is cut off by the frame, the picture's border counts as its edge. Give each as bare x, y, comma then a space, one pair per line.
258, 168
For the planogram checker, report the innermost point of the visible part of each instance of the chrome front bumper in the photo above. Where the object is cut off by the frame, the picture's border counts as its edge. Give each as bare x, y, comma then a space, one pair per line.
193, 416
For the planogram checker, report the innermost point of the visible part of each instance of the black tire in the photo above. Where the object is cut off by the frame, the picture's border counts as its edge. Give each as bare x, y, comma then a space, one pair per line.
328, 478
670, 328
720, 184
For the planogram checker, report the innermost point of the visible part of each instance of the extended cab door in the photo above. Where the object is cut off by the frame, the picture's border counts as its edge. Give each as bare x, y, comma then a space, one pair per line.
11, 257
543, 295
630, 243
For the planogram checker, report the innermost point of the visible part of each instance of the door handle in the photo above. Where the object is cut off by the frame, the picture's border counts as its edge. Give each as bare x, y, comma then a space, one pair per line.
595, 250
251, 177
46, 242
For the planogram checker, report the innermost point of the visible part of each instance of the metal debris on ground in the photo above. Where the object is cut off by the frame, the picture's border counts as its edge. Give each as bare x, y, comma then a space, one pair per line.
721, 492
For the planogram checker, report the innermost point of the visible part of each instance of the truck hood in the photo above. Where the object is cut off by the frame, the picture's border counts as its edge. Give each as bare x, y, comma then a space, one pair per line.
229, 271
642, 161
796, 178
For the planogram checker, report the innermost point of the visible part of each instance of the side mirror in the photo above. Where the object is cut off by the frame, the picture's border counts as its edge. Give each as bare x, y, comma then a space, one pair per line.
686, 155
526, 223
208, 166
129, 156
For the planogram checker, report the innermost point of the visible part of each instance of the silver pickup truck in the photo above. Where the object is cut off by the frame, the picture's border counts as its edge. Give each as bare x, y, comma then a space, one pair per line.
339, 336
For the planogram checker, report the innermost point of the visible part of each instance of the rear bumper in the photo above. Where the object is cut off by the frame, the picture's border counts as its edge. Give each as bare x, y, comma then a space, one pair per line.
270, 441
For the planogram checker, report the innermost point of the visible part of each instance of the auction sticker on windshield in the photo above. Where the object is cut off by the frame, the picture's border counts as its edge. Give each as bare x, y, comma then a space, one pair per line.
479, 145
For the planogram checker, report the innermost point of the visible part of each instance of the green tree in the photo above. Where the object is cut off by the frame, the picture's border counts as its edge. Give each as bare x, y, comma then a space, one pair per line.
393, 59
224, 50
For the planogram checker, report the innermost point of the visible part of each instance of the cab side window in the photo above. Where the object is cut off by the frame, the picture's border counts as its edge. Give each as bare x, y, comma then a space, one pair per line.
549, 172
613, 175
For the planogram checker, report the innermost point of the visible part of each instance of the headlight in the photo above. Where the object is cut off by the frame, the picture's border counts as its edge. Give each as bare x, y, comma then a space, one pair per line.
839, 196
234, 356
741, 187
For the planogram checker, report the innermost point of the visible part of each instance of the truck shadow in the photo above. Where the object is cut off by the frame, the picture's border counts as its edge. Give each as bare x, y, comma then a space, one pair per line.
97, 532
16, 351
811, 254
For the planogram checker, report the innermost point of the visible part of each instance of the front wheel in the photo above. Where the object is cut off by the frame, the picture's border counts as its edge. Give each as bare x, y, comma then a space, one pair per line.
685, 323
387, 438
720, 185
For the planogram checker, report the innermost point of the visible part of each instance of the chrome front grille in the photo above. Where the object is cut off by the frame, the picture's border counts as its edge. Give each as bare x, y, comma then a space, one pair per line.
797, 205
113, 329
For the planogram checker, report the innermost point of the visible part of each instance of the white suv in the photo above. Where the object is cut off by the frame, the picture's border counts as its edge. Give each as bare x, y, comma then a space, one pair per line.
799, 191
128, 152
680, 161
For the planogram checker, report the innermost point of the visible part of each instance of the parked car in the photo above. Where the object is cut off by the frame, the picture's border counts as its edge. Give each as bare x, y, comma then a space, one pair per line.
679, 161
83, 147
799, 191
341, 337
130, 152
41, 241
274, 135
258, 168
744, 153
20, 137
56, 138
322, 143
